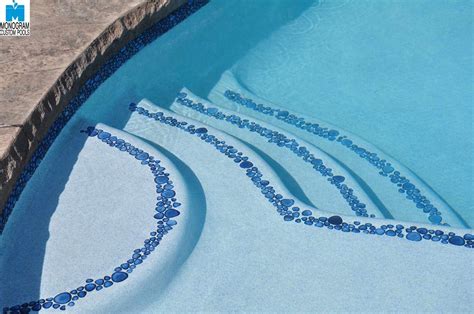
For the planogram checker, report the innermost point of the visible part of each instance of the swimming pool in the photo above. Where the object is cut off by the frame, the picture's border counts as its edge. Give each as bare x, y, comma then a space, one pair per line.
302, 160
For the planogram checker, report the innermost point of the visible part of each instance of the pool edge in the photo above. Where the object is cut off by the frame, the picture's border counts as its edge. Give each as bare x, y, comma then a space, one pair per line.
31, 132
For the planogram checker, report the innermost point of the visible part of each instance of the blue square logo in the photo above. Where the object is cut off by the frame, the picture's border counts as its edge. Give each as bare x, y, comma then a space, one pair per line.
15, 12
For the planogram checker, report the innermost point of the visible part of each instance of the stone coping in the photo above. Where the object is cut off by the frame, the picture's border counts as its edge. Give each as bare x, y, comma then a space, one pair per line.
66, 48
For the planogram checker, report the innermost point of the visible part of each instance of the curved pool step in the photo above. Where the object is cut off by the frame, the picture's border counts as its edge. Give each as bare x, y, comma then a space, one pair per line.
324, 181
249, 233
400, 190
86, 211
199, 156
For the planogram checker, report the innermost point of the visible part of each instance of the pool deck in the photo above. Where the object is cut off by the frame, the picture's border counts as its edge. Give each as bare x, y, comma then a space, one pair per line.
70, 40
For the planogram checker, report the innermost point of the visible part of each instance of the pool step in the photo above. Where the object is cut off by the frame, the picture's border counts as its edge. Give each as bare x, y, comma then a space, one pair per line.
199, 156
86, 211
400, 190
316, 180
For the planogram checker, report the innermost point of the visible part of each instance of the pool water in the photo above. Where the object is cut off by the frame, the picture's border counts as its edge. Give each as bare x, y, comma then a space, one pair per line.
263, 156
395, 73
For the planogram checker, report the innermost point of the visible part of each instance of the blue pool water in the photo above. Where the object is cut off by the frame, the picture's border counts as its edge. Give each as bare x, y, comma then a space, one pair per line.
314, 147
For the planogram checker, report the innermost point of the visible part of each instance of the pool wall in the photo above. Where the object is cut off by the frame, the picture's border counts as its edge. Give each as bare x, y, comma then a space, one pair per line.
26, 138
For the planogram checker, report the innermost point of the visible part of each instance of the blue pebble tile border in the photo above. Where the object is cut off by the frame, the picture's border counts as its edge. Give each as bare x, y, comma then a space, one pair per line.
105, 71
283, 141
165, 212
384, 167
287, 208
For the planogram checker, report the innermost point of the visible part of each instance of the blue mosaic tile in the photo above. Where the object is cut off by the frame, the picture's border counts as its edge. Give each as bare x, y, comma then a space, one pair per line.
281, 140
384, 167
286, 208
121, 272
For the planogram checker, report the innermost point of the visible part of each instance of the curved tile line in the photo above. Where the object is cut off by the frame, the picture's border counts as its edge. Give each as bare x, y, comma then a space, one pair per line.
385, 168
424, 185
166, 209
105, 71
187, 242
287, 179
282, 140
285, 206
367, 189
